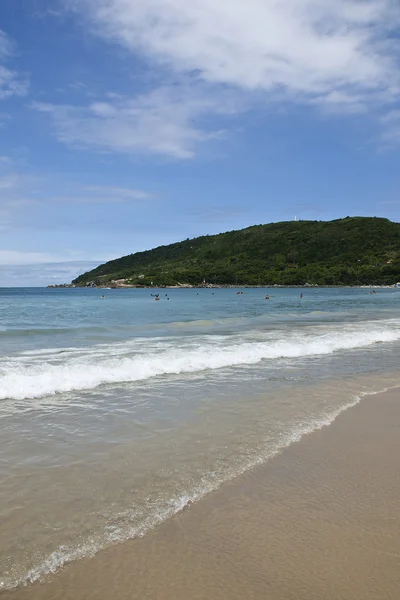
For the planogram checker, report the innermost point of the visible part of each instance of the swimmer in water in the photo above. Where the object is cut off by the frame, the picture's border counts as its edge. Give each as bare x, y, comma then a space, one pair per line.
301, 295
267, 297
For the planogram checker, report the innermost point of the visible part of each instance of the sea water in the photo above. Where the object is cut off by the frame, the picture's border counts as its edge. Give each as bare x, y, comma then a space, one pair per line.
117, 412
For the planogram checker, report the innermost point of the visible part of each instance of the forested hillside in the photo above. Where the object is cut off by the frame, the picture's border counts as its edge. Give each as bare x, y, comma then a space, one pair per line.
350, 251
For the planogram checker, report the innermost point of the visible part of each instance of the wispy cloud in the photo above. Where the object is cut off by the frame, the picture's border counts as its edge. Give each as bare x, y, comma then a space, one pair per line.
13, 197
92, 194
161, 122
24, 196
99, 195
11, 82
391, 125
16, 257
107, 193
9, 182
341, 57
43, 274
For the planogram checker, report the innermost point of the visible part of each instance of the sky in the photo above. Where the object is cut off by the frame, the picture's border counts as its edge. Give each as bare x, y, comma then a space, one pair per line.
128, 124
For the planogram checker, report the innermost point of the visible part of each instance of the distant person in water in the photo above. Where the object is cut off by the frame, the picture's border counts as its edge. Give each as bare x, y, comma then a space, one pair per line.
301, 295
267, 297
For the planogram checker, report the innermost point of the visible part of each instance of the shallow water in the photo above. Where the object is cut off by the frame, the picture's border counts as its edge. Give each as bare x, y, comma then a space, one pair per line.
115, 412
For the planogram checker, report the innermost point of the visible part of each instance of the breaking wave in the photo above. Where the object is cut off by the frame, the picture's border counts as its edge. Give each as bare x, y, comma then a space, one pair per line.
46, 373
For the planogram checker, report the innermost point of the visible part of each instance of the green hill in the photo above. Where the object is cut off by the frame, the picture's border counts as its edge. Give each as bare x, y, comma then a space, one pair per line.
350, 251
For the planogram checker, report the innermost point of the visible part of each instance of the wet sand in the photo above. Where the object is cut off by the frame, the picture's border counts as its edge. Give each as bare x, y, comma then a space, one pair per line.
320, 521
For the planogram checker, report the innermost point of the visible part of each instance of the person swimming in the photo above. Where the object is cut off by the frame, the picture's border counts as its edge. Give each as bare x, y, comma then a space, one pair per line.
267, 297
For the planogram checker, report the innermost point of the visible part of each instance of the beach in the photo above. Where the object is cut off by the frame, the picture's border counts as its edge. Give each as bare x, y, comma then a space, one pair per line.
319, 520
199, 300
119, 413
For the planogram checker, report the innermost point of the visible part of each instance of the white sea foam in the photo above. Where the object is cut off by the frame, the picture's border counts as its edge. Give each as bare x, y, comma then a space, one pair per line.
45, 374
156, 514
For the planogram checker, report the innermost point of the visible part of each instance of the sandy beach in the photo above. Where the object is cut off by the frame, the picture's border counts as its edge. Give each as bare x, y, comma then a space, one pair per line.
319, 521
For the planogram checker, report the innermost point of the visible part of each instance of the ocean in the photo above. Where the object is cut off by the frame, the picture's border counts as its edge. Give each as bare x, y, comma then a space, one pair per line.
118, 412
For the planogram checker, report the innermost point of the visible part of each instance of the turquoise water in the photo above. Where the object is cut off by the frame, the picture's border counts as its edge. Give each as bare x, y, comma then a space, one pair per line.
115, 412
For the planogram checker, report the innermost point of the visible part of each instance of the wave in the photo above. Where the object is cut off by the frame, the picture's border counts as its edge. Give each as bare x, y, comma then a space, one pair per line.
28, 377
159, 512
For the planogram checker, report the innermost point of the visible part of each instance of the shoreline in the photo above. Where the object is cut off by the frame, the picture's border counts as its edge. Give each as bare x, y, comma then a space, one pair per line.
354, 458
222, 287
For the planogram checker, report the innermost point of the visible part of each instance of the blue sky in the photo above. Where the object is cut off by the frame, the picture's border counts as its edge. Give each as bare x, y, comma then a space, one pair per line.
126, 124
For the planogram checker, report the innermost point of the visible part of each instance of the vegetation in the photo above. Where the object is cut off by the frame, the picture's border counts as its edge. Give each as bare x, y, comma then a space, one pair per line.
350, 251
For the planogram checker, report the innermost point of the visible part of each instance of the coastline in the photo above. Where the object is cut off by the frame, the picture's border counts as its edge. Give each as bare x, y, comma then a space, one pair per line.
320, 520
222, 287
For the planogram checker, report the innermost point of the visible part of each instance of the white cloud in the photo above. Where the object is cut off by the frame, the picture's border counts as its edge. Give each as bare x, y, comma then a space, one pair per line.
43, 274
15, 257
96, 194
11, 84
160, 122
5, 45
23, 196
9, 182
13, 197
341, 57
341, 102
304, 47
107, 193
391, 124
